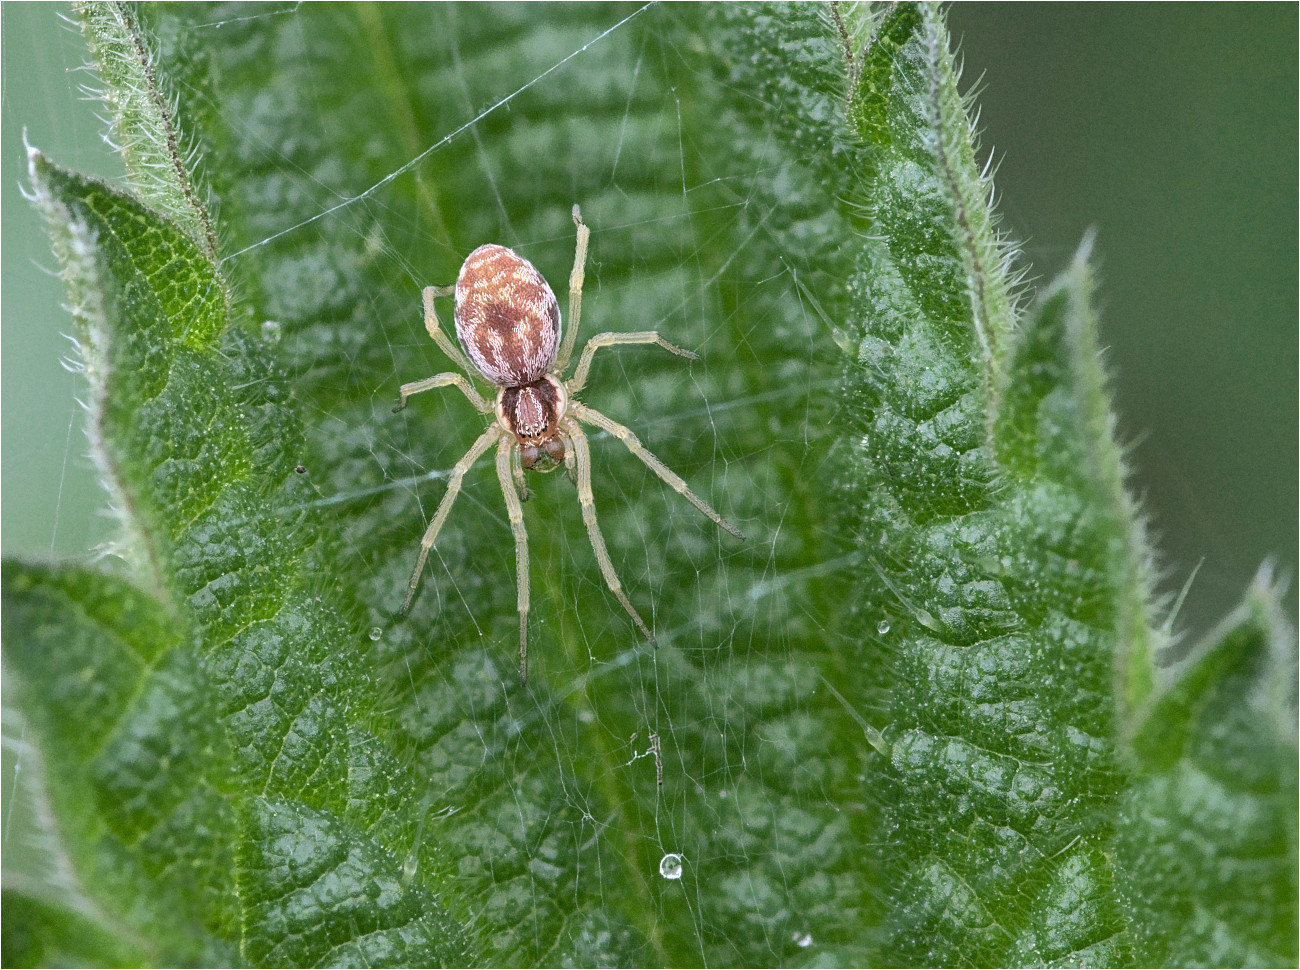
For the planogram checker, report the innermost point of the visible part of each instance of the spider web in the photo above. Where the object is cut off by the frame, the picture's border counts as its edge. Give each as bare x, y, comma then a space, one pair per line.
508, 123
555, 789
628, 794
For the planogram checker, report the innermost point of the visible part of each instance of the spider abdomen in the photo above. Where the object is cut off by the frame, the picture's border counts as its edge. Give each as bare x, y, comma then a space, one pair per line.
507, 318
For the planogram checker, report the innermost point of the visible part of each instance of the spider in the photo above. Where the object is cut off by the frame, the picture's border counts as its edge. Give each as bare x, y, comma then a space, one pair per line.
508, 325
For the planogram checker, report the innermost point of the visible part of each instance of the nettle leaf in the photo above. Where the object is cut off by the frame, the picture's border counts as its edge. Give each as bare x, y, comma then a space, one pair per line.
135, 766
1207, 837
42, 933
1004, 594
995, 561
914, 718
232, 677
547, 798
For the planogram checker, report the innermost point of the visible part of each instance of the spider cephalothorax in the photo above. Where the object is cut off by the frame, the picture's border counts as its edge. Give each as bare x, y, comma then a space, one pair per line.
533, 413
508, 326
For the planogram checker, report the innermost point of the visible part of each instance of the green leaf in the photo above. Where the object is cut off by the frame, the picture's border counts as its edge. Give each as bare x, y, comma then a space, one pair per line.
135, 765
143, 122
42, 933
1054, 425
1005, 576
991, 570
1208, 830
547, 798
315, 893
914, 718
247, 692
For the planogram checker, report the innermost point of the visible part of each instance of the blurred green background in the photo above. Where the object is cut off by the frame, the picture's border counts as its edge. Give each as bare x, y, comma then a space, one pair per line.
1171, 130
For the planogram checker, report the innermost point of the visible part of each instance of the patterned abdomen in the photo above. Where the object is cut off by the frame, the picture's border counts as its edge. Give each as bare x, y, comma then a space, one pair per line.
507, 319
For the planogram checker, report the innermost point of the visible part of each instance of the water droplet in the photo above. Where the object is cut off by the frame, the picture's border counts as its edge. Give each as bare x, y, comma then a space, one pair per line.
271, 331
376, 632
882, 627
803, 939
670, 866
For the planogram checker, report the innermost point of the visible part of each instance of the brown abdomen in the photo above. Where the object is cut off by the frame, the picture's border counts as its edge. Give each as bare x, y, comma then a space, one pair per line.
507, 319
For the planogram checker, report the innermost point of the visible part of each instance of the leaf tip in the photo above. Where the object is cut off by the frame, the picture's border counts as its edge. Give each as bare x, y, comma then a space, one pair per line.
1083, 255
37, 170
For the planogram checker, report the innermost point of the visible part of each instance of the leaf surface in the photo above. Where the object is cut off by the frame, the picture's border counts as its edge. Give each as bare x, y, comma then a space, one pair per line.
913, 718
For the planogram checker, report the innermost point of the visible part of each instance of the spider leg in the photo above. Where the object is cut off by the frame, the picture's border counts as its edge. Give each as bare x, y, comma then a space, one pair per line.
575, 292
517, 465
594, 417
475, 452
582, 461
515, 509
431, 324
579, 379
448, 379
571, 464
